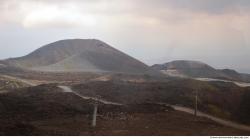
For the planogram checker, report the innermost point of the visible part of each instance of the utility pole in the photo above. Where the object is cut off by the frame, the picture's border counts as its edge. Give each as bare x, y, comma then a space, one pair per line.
93, 124
196, 102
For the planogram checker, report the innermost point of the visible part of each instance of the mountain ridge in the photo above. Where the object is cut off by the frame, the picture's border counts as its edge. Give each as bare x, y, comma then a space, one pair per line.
197, 69
79, 55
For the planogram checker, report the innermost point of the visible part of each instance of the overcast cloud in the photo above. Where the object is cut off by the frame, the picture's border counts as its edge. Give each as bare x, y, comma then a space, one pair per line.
216, 32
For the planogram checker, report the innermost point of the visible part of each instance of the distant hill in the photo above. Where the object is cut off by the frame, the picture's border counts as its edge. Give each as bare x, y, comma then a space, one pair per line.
196, 69
78, 55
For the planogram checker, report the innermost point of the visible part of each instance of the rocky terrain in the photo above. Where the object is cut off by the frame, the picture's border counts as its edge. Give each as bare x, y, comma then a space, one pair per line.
46, 110
53, 91
224, 100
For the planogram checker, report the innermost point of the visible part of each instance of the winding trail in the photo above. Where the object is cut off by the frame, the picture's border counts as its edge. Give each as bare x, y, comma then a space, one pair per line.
216, 119
240, 84
178, 108
69, 90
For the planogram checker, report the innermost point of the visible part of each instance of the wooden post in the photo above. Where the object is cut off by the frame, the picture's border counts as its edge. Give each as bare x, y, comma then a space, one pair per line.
94, 115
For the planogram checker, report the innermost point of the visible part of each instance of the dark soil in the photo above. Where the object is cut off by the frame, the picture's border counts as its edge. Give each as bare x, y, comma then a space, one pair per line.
45, 110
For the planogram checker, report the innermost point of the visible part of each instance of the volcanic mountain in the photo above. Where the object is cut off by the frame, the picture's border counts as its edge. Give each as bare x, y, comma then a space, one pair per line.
197, 69
79, 55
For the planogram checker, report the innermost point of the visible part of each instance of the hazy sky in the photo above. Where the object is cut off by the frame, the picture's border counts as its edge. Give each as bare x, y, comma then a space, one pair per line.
216, 32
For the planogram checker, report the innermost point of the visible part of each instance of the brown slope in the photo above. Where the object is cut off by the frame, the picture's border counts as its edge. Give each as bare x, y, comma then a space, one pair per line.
196, 69
189, 68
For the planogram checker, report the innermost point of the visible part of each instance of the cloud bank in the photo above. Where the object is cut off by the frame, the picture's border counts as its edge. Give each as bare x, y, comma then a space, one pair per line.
154, 31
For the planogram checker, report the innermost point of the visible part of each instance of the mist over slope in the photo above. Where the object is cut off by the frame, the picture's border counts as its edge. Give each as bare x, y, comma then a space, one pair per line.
78, 55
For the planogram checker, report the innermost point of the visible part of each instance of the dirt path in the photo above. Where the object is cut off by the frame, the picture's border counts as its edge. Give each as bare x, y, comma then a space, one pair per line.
178, 108
216, 119
240, 84
68, 89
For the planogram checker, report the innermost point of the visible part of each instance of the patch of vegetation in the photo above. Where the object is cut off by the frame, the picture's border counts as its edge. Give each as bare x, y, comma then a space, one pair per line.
8, 84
